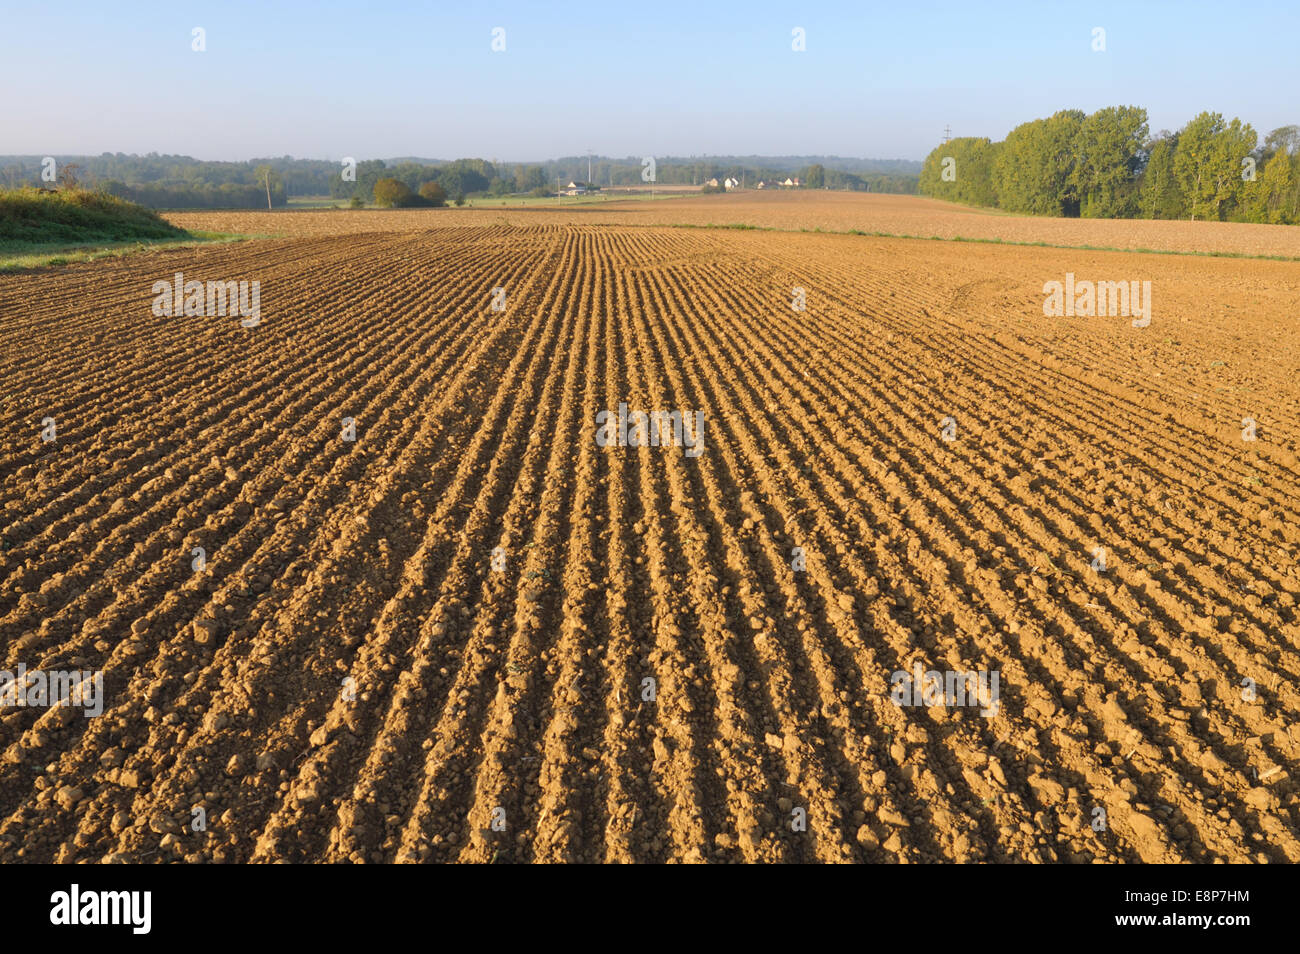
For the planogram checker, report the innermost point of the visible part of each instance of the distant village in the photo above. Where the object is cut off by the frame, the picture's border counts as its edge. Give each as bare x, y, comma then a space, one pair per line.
789, 182
729, 185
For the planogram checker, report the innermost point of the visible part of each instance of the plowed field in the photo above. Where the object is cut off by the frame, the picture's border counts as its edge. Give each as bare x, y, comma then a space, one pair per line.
475, 634
896, 215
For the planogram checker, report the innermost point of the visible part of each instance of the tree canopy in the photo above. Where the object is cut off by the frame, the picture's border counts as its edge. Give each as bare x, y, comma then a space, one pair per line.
391, 192
1108, 165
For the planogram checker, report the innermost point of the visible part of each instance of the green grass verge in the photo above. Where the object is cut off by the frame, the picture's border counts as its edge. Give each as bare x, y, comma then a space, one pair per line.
17, 257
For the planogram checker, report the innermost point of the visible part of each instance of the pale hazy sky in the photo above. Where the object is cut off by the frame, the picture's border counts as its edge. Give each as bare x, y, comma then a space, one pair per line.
327, 79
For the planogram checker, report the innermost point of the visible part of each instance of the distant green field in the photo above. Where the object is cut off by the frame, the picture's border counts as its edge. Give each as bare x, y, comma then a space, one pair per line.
301, 202
599, 198
316, 202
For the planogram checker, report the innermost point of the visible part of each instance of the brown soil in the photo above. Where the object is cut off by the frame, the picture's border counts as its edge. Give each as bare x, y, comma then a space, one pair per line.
520, 696
897, 215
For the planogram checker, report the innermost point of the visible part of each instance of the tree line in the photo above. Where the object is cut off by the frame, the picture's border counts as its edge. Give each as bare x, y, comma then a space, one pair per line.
173, 181
167, 181
817, 176
456, 179
469, 177
1108, 165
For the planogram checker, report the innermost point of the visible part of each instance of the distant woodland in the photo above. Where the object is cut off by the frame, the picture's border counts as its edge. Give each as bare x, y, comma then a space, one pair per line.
180, 182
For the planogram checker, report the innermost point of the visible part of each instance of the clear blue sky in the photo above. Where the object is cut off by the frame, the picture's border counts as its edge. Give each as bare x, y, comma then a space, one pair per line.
326, 79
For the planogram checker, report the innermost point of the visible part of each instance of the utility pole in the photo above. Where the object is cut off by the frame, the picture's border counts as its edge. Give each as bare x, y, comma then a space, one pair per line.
947, 134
